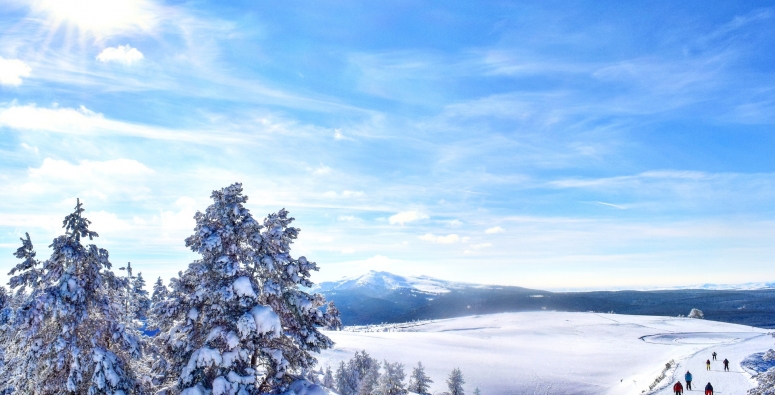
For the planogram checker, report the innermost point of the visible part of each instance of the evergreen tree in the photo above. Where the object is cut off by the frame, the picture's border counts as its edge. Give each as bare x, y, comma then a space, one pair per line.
126, 296
477, 391
765, 383
5, 317
369, 380
236, 321
455, 382
333, 317
159, 291
68, 337
419, 382
392, 380
5, 308
328, 378
141, 298
344, 381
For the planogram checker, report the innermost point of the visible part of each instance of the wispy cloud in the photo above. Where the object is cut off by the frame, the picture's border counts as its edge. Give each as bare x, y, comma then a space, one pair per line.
321, 170
617, 206
344, 194
82, 121
406, 217
494, 230
448, 239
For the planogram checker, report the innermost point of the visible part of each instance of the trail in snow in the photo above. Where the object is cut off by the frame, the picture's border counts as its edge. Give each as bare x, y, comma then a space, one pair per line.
736, 347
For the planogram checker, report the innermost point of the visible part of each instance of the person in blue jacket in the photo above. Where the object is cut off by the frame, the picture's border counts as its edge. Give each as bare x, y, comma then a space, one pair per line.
708, 389
688, 377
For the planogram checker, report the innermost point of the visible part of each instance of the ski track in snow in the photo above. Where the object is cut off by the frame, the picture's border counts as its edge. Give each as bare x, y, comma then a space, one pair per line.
735, 381
563, 353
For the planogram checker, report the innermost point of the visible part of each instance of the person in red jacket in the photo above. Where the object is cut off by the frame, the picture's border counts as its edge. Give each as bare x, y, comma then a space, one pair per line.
678, 388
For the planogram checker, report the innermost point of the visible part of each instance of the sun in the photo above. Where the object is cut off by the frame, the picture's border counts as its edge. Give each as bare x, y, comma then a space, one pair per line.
99, 17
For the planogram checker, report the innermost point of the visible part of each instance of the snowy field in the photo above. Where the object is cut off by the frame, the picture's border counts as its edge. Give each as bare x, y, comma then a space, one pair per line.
564, 353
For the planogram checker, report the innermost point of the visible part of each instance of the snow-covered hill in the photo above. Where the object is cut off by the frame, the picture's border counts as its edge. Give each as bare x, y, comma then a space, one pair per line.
563, 353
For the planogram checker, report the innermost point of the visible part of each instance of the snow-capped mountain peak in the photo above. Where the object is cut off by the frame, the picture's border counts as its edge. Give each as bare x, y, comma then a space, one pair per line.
374, 282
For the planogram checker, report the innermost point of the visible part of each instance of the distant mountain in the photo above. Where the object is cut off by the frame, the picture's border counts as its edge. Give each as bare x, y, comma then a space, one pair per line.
376, 283
382, 297
745, 286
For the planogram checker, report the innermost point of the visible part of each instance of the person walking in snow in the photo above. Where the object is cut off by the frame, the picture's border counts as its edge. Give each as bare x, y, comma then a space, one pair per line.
714, 355
707, 364
726, 364
708, 389
688, 377
678, 388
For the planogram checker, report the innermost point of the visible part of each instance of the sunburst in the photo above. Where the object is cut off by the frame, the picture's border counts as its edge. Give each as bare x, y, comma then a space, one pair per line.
98, 18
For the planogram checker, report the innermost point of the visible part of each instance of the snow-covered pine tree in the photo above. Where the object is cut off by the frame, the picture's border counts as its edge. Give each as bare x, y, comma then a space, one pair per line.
477, 391
5, 308
765, 383
369, 381
419, 382
141, 298
328, 378
345, 382
366, 370
236, 321
696, 313
126, 296
160, 291
392, 380
5, 316
455, 382
333, 317
68, 336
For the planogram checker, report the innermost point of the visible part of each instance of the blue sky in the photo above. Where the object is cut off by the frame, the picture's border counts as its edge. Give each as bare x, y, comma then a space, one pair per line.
554, 145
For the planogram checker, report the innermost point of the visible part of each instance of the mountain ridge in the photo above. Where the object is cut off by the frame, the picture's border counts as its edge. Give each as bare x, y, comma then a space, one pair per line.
382, 297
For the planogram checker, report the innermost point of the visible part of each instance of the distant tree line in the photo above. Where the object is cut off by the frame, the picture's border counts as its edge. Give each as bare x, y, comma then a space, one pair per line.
364, 375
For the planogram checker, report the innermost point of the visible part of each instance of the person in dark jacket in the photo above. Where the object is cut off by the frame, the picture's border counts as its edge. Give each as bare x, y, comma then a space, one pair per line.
707, 364
714, 355
708, 389
678, 388
726, 364
688, 377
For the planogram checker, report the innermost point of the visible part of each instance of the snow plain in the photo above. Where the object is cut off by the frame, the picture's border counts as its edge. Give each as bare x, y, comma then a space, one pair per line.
563, 353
